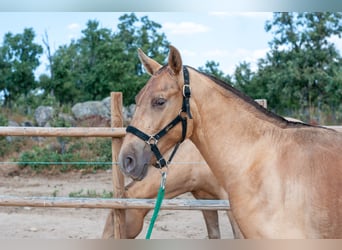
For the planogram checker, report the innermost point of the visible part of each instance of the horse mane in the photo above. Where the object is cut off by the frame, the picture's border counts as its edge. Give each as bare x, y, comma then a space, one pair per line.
279, 119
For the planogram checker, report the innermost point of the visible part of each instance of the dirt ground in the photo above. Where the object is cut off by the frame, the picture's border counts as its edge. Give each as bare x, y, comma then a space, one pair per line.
66, 223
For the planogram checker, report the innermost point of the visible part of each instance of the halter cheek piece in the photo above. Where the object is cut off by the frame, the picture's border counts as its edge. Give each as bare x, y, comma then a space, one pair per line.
152, 140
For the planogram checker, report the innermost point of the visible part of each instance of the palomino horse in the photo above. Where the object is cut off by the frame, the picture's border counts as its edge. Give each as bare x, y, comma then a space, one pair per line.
189, 173
284, 179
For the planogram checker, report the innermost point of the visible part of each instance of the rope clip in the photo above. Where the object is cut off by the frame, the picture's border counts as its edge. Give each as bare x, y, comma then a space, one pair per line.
163, 180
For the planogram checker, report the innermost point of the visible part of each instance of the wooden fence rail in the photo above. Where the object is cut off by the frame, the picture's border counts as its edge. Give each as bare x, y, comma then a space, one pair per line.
77, 131
113, 203
60, 132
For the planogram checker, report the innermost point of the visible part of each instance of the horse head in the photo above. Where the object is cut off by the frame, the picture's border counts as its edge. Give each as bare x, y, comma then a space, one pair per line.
161, 117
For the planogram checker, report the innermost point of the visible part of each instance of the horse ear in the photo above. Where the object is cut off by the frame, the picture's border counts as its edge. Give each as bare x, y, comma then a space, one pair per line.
175, 60
150, 65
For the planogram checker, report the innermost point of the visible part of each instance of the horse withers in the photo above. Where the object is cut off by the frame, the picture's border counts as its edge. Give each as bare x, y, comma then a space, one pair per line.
284, 179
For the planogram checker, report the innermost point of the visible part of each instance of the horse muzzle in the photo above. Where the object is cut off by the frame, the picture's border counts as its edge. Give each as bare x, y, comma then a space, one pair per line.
133, 162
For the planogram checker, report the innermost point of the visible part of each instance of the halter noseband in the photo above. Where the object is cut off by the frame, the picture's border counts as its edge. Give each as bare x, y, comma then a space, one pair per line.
152, 140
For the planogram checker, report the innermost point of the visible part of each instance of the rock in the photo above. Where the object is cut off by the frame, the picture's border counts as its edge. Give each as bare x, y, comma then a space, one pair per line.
106, 102
13, 124
128, 113
43, 114
68, 119
84, 110
12, 138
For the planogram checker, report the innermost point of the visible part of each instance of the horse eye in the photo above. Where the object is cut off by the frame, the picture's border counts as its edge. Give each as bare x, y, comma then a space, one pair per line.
158, 102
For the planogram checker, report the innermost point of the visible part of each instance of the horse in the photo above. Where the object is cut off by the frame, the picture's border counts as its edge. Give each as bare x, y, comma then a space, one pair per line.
188, 173
283, 178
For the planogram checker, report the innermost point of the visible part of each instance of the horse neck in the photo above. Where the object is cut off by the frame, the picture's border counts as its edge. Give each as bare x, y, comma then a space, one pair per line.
225, 127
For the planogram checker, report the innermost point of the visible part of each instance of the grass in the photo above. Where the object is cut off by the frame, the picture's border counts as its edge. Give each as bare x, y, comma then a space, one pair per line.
91, 194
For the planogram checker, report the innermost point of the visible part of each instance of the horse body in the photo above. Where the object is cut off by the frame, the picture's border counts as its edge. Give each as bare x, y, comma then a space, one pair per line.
291, 172
189, 173
284, 179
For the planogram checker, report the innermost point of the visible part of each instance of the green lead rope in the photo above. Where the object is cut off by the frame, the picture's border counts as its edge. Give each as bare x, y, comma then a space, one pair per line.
160, 198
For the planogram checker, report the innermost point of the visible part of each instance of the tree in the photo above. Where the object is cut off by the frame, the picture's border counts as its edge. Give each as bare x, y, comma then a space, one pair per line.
212, 68
302, 72
19, 57
244, 79
65, 85
102, 61
50, 60
134, 34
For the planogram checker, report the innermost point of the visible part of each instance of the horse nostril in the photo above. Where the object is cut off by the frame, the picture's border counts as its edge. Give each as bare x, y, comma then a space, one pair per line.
129, 163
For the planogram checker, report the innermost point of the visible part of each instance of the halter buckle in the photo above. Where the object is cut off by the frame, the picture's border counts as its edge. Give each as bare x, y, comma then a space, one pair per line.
186, 90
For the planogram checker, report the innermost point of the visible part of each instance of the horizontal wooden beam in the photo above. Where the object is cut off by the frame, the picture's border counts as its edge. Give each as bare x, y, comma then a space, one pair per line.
60, 132
77, 131
113, 203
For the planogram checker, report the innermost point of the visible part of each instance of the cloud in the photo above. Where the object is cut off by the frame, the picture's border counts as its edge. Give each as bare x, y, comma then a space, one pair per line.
73, 31
184, 28
73, 26
251, 56
217, 53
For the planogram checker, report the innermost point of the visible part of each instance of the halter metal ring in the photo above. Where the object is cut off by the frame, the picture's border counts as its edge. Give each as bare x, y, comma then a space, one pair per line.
152, 140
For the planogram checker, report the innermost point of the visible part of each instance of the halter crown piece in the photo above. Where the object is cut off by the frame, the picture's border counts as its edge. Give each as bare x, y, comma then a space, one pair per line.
152, 140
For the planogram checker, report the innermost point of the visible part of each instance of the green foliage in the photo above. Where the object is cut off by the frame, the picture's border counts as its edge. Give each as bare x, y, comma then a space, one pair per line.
3, 120
39, 159
212, 68
102, 61
19, 57
91, 194
301, 75
3, 142
305, 65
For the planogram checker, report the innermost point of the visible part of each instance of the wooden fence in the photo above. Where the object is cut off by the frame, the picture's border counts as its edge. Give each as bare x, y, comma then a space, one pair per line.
118, 203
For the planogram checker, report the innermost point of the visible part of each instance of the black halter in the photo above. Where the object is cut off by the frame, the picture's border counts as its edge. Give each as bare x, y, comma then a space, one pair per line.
152, 140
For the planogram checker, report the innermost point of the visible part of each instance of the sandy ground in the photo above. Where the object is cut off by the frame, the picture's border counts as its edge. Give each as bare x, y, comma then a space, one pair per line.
66, 223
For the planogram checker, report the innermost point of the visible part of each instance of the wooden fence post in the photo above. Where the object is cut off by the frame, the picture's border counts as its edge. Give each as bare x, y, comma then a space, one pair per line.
118, 178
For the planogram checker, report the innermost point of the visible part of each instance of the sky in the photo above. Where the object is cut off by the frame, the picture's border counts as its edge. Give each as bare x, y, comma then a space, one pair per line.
228, 38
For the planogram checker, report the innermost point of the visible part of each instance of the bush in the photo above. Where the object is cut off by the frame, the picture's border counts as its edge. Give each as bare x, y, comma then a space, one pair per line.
3, 142
39, 159
3, 120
